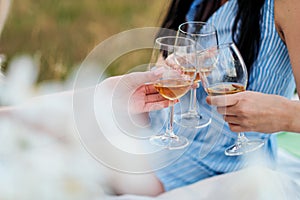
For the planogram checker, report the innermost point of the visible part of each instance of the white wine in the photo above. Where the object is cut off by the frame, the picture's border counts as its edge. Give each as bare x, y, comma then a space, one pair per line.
173, 88
191, 72
225, 88
206, 70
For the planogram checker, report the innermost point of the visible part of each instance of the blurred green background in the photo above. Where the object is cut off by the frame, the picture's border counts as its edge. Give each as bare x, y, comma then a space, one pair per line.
62, 32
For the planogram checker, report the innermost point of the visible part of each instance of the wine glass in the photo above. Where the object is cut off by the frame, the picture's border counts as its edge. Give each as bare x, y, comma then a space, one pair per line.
205, 36
225, 73
171, 56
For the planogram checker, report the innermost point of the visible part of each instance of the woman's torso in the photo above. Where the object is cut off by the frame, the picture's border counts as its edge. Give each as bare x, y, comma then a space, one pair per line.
271, 73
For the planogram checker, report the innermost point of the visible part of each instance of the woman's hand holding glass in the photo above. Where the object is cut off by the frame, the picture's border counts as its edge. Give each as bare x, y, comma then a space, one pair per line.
224, 72
255, 111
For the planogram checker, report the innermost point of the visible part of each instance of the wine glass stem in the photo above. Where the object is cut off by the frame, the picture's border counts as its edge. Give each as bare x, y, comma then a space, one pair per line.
193, 100
170, 131
241, 138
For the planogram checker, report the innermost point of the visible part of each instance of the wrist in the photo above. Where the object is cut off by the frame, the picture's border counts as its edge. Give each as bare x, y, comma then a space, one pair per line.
294, 116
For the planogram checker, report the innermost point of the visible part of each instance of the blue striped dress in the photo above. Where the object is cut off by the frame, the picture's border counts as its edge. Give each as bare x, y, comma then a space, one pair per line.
271, 73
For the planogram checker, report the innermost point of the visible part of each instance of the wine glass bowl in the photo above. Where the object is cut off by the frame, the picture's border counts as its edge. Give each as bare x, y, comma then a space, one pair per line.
172, 88
171, 57
225, 74
203, 33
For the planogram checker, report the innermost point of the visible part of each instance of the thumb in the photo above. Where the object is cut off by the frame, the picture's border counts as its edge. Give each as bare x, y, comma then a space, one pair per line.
223, 100
136, 79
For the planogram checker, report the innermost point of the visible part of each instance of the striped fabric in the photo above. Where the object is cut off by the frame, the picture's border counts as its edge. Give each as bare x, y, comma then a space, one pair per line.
271, 73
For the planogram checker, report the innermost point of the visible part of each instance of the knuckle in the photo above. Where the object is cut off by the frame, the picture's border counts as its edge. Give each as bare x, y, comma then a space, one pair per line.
242, 111
146, 98
158, 97
147, 89
243, 120
233, 128
227, 118
219, 109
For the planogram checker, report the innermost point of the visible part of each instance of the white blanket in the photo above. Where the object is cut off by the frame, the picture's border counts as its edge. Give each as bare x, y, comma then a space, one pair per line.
255, 183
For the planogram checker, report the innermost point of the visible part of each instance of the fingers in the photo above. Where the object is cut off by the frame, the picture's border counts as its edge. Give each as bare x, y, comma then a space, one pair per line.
222, 110
239, 128
154, 98
136, 79
228, 110
195, 85
150, 89
223, 100
170, 61
158, 105
235, 128
235, 121
231, 119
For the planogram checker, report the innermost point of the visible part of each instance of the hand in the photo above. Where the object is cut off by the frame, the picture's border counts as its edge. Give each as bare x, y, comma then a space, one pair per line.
253, 111
171, 62
146, 98
136, 91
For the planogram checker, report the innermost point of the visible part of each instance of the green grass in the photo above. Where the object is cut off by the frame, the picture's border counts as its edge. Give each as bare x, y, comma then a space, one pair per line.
63, 32
290, 142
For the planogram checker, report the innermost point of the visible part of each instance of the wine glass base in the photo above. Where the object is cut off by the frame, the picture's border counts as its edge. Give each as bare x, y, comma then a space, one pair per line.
244, 147
192, 120
176, 142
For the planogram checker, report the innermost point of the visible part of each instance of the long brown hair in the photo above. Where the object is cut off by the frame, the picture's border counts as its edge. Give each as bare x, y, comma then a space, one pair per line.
248, 17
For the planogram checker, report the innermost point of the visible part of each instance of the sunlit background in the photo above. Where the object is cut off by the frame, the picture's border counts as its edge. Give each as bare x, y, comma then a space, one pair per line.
41, 45
56, 36
60, 34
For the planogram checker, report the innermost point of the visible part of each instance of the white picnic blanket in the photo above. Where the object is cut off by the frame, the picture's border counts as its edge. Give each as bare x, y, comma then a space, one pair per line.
255, 183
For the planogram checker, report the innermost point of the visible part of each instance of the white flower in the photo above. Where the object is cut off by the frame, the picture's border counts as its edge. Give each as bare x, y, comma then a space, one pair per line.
36, 163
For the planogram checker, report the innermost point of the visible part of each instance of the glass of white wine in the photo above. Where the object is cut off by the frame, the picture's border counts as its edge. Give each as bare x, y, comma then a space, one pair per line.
171, 56
228, 75
205, 36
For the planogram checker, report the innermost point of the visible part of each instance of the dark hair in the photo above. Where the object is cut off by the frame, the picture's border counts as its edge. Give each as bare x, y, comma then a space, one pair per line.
247, 19
176, 14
